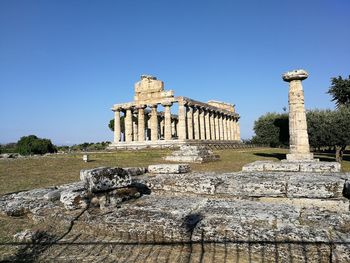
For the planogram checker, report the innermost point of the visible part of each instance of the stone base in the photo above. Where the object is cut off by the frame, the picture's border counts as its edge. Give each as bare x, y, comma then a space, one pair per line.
292, 166
193, 154
176, 143
300, 156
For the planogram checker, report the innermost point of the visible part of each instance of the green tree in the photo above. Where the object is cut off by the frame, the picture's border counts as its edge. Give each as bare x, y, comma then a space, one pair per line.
122, 125
340, 91
272, 129
341, 131
33, 145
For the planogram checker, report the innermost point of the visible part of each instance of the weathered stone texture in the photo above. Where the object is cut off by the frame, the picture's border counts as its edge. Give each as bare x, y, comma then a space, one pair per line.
192, 154
105, 178
169, 168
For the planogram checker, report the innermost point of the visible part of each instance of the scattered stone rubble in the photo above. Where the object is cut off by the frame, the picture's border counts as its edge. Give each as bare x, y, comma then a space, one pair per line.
171, 206
193, 154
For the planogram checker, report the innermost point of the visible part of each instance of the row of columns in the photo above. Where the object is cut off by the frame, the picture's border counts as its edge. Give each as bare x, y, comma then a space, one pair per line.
207, 124
194, 123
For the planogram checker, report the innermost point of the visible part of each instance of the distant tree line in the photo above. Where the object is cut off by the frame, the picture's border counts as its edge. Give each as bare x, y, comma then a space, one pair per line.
326, 128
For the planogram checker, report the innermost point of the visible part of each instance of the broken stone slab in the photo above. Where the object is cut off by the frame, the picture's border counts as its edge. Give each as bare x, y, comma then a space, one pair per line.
193, 154
257, 166
169, 168
105, 178
134, 171
320, 167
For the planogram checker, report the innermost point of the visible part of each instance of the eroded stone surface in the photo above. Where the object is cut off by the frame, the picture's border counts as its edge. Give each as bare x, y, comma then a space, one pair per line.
192, 154
105, 178
169, 168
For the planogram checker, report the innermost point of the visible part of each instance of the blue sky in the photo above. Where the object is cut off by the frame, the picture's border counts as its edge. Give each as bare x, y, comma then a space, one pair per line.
63, 64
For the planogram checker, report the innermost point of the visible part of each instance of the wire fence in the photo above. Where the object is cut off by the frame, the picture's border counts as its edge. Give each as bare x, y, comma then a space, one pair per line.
128, 249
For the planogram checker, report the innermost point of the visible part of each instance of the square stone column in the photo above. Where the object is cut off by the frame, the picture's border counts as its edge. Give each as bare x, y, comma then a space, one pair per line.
141, 122
212, 125
196, 123
154, 122
117, 125
207, 124
182, 121
190, 122
202, 124
167, 121
128, 125
298, 137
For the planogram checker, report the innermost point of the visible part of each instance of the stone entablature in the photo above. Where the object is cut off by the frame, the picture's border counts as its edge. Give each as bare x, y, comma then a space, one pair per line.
195, 121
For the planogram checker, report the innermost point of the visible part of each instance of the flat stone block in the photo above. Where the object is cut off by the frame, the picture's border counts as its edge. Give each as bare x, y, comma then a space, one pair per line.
300, 157
169, 168
105, 178
320, 167
257, 166
315, 186
281, 167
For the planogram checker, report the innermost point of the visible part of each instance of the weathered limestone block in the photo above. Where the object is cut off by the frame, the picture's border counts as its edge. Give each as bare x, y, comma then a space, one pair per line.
253, 185
314, 166
193, 154
105, 178
185, 183
281, 167
169, 168
53, 195
320, 167
74, 198
115, 197
257, 166
315, 186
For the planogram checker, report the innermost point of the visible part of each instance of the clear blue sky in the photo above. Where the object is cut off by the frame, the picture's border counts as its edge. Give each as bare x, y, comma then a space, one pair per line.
63, 64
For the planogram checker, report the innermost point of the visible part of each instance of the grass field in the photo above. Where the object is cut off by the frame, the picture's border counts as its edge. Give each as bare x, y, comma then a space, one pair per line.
30, 173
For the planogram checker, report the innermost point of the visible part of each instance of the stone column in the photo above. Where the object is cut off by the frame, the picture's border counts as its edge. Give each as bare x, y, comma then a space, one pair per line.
134, 129
212, 125
202, 124
221, 127
190, 122
117, 125
182, 121
228, 127
299, 141
217, 126
128, 125
141, 122
207, 124
154, 122
238, 131
196, 123
224, 123
233, 128
167, 121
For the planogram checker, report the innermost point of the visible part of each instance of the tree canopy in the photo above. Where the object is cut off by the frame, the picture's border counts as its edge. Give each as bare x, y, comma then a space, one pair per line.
340, 91
31, 144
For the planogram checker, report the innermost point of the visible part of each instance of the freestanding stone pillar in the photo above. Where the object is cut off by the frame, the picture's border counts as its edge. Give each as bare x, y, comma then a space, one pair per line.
299, 140
128, 125
141, 123
117, 125
154, 122
167, 121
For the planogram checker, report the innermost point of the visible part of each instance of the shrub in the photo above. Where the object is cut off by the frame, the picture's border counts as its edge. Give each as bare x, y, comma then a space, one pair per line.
31, 144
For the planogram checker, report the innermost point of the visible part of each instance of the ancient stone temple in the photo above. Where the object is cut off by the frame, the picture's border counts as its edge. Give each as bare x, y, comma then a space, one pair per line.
142, 123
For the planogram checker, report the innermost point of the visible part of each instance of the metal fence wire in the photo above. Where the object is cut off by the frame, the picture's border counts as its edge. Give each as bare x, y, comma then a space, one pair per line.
130, 249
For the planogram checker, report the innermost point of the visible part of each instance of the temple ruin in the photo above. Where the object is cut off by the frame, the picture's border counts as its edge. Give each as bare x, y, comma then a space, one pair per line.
213, 123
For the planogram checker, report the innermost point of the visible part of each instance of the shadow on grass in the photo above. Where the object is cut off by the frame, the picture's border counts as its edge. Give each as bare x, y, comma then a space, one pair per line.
279, 156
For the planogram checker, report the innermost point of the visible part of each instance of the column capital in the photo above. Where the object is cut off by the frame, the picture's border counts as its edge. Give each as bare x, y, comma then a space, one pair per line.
165, 104
298, 74
117, 109
153, 105
139, 107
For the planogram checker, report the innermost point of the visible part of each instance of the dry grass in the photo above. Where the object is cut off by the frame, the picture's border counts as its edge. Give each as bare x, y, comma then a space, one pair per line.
22, 174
